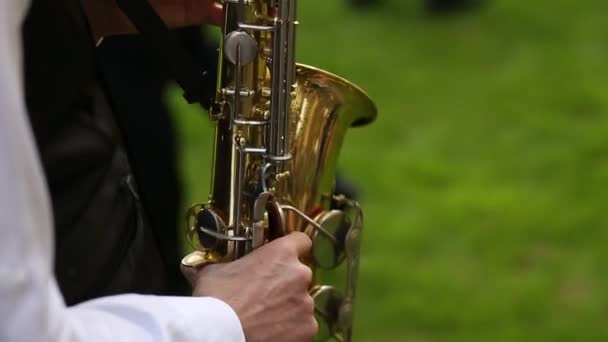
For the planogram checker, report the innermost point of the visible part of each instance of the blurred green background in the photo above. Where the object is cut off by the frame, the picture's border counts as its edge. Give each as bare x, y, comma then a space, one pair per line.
483, 179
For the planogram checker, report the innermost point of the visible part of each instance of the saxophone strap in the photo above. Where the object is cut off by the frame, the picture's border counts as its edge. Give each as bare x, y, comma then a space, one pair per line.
160, 40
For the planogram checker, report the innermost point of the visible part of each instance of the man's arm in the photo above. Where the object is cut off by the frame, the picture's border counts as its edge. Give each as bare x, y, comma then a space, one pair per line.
267, 290
31, 306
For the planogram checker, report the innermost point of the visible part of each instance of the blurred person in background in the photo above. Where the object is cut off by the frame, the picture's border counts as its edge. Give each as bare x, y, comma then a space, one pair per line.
446, 6
103, 242
433, 6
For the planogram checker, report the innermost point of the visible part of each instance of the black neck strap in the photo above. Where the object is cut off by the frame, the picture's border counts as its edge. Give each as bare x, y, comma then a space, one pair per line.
181, 65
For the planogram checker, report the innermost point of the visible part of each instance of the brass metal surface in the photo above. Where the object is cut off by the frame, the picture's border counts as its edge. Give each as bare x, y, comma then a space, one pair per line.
279, 130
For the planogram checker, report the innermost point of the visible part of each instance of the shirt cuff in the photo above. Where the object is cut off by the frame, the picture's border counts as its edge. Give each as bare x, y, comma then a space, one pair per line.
221, 322
209, 318
159, 318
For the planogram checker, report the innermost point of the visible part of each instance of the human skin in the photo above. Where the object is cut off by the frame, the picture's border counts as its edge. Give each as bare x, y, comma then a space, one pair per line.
106, 19
268, 290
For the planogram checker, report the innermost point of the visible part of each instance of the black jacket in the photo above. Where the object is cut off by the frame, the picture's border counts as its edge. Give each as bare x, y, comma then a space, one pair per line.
103, 242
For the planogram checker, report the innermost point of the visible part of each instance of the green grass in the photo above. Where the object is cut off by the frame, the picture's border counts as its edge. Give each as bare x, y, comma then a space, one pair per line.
485, 177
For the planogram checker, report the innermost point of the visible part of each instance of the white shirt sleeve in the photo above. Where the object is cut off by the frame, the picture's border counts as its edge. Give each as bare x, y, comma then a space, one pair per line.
31, 306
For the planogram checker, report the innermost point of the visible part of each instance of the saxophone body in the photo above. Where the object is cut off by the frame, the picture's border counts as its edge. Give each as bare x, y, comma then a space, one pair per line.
279, 129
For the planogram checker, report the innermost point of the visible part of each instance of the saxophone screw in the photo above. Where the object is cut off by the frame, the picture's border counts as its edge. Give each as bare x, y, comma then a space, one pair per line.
282, 176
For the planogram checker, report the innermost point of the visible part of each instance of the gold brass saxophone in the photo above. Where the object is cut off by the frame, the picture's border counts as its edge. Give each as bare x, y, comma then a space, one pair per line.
279, 129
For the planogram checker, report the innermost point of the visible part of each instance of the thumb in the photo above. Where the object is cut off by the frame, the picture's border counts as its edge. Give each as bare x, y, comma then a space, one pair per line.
196, 12
216, 14
191, 264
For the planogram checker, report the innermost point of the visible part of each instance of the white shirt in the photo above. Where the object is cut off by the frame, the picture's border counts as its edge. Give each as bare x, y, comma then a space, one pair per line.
31, 306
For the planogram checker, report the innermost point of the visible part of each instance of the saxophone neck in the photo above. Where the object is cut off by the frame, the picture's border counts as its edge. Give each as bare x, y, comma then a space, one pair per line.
263, 33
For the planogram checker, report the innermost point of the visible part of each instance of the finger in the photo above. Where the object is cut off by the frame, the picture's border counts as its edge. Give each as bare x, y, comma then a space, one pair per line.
198, 12
216, 14
191, 264
190, 273
300, 242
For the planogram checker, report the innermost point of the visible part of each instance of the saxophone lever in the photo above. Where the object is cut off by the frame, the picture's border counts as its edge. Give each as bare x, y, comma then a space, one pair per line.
334, 309
352, 251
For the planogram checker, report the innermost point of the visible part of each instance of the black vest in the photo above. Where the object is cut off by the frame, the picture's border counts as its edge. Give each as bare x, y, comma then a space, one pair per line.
103, 243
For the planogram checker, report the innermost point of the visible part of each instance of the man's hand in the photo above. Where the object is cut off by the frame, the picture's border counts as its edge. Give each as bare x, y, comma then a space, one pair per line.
268, 290
107, 19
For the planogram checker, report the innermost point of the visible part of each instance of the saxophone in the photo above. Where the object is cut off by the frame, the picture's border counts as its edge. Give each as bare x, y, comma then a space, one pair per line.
279, 129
